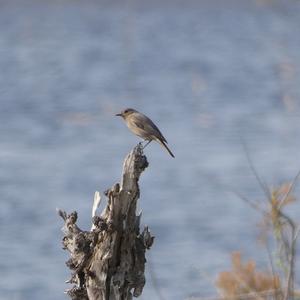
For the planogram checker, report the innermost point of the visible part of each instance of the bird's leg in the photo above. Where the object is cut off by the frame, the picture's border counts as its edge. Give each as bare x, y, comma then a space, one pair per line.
147, 144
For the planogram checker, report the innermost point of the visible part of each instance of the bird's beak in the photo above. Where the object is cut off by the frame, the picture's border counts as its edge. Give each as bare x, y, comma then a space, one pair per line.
119, 115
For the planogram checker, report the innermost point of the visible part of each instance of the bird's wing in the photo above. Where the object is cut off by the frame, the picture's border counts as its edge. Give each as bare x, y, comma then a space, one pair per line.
146, 124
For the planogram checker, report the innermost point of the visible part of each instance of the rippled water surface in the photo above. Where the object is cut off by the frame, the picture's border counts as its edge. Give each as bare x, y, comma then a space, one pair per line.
211, 74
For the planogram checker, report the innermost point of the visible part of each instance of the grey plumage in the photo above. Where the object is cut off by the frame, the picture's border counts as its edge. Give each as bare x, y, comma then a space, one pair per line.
143, 127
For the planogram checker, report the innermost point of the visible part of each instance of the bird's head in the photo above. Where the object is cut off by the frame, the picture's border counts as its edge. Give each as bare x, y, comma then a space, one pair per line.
126, 112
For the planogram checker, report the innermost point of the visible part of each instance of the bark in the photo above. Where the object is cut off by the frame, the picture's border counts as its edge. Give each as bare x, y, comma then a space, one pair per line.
108, 262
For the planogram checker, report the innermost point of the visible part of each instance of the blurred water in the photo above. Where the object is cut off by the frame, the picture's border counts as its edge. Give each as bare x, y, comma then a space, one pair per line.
210, 73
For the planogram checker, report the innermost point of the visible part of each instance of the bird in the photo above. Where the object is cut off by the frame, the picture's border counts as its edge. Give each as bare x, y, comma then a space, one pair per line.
143, 127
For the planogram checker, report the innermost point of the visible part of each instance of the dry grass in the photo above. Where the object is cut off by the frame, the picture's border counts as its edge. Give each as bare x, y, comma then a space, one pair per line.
244, 279
278, 230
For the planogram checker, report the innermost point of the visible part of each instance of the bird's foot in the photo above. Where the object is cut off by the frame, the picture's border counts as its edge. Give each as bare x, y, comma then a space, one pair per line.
148, 142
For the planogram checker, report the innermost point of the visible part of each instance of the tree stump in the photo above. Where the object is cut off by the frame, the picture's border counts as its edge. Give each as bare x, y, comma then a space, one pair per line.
108, 262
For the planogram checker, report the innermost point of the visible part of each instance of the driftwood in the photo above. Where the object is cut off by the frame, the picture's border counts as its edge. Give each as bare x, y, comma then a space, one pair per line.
108, 262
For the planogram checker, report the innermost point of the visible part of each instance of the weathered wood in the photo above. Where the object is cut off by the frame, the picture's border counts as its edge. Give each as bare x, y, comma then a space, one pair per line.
108, 262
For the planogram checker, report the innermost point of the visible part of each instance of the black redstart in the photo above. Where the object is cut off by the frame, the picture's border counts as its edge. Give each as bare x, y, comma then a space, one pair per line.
143, 127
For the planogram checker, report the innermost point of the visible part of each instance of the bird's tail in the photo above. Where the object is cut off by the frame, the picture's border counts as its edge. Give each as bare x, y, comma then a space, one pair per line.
166, 147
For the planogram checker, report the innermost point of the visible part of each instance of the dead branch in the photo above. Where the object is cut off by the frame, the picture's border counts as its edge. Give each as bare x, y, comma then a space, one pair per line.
108, 262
